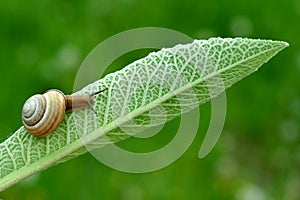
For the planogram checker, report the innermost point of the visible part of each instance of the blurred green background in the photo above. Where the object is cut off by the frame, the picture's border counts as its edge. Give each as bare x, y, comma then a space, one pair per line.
42, 44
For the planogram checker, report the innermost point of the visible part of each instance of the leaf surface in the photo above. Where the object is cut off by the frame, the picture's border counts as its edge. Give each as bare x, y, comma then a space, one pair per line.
142, 95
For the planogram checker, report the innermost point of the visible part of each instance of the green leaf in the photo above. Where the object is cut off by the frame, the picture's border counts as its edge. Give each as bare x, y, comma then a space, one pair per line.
143, 94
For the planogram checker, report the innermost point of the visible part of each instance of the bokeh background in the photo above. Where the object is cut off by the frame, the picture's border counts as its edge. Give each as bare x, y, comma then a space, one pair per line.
42, 44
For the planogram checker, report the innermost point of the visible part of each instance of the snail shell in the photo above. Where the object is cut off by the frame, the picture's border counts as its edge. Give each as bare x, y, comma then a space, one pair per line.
43, 113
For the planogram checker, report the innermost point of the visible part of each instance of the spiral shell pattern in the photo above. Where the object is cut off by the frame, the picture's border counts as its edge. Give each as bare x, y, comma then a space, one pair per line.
42, 114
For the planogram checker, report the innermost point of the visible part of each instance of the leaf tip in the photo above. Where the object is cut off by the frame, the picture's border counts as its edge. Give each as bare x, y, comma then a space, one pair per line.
282, 44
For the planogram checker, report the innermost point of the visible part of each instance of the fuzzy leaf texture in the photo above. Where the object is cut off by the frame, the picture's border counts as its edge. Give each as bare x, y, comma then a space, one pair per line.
143, 94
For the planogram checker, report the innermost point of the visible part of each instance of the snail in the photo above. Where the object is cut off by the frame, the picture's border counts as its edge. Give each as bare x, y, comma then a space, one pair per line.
43, 113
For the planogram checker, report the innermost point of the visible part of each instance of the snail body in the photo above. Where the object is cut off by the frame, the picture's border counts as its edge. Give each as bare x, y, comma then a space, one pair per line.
43, 113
